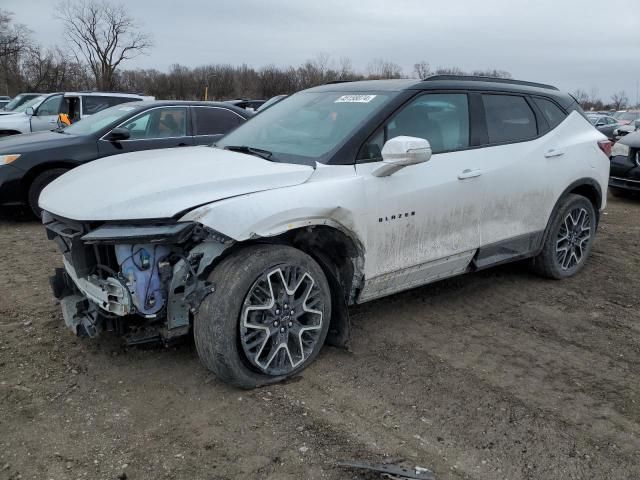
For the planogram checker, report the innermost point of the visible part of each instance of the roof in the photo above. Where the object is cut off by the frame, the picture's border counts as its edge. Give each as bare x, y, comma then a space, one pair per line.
186, 103
448, 82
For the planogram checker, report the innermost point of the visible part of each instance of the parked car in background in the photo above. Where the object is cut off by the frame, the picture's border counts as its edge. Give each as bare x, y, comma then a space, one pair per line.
625, 165
337, 195
16, 104
41, 113
604, 123
250, 105
30, 162
4, 103
272, 101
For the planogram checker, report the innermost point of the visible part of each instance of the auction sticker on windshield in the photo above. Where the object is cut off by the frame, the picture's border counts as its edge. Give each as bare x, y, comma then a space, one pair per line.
355, 99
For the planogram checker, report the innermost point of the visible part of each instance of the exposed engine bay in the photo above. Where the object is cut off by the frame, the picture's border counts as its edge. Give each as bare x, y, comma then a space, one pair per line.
142, 281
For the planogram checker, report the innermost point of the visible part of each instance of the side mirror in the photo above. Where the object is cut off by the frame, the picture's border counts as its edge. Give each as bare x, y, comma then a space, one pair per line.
400, 152
600, 124
29, 111
118, 134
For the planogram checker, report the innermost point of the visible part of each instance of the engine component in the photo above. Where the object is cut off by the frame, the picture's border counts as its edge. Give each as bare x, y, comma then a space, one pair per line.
140, 265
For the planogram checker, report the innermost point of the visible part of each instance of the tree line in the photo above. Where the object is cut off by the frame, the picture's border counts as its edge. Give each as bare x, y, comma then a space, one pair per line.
101, 37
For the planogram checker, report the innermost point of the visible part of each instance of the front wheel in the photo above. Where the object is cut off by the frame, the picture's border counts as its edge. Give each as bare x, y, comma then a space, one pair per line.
267, 318
38, 184
569, 239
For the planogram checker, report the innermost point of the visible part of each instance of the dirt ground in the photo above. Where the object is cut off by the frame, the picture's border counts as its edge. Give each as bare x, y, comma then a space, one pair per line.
496, 375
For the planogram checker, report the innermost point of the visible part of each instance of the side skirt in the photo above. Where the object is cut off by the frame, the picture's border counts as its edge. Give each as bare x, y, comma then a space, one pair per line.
510, 250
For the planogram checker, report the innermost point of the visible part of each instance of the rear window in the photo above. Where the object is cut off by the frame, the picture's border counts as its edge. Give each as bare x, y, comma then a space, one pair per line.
212, 121
509, 118
552, 113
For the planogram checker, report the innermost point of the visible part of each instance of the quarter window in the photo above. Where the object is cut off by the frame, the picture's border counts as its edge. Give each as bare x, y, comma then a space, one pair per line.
440, 118
552, 112
509, 118
158, 123
212, 121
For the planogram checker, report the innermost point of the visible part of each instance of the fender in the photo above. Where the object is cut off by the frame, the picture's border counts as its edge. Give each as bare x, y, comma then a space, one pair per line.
573, 187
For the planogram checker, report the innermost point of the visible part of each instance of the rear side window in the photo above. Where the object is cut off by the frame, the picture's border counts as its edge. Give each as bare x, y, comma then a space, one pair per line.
509, 118
93, 104
551, 112
215, 121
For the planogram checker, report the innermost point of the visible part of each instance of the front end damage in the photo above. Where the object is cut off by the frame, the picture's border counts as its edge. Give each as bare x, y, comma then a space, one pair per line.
142, 281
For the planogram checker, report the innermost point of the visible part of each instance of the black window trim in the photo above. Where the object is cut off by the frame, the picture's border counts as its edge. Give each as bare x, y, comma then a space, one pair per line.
420, 93
194, 125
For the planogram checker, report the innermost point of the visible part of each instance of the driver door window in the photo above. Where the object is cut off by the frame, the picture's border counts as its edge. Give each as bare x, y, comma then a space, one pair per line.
440, 118
51, 106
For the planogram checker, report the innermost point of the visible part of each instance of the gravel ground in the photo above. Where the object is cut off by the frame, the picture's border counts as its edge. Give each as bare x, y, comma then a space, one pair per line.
496, 375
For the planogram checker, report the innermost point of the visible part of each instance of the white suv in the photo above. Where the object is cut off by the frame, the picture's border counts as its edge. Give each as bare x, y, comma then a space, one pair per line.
41, 113
337, 195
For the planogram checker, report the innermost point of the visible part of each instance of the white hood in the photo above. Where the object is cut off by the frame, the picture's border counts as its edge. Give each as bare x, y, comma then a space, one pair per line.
162, 183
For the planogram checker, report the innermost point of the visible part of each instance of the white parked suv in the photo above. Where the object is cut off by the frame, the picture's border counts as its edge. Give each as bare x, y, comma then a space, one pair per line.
41, 113
337, 195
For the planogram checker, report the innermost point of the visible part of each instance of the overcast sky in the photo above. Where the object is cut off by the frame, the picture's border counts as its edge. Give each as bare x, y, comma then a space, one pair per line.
569, 43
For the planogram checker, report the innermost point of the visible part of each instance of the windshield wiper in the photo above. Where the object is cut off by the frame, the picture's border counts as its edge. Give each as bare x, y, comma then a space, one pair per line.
258, 152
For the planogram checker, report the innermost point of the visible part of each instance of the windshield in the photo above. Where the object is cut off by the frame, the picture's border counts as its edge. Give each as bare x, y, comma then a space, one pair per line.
29, 103
16, 102
306, 127
100, 120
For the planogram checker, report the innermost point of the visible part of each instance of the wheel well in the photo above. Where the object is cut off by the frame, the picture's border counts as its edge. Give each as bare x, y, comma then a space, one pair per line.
341, 258
592, 193
9, 132
27, 180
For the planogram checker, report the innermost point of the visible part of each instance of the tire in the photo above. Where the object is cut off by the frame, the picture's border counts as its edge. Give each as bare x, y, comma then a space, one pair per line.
38, 184
240, 339
567, 244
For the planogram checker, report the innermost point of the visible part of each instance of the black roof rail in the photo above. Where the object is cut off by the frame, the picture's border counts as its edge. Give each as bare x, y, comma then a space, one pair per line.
108, 91
338, 81
477, 78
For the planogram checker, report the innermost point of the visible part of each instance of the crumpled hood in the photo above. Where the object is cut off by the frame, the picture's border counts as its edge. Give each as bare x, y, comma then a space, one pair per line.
163, 183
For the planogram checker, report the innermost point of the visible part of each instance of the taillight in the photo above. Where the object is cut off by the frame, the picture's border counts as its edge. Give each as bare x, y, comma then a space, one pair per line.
605, 146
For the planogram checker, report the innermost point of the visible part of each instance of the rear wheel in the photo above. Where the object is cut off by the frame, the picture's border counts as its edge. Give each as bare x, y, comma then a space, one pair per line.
268, 317
38, 184
569, 239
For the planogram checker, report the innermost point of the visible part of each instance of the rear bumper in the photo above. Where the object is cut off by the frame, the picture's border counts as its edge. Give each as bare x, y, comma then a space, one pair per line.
11, 186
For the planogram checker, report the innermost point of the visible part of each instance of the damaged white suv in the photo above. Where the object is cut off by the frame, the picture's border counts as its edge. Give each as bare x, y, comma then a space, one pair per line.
337, 195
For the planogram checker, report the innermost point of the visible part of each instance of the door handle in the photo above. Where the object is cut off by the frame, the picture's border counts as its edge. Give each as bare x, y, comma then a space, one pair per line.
553, 153
468, 173
182, 144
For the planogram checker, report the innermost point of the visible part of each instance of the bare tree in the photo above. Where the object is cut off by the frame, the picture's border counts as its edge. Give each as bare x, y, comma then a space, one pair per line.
492, 72
581, 96
449, 71
104, 34
384, 69
422, 69
619, 100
